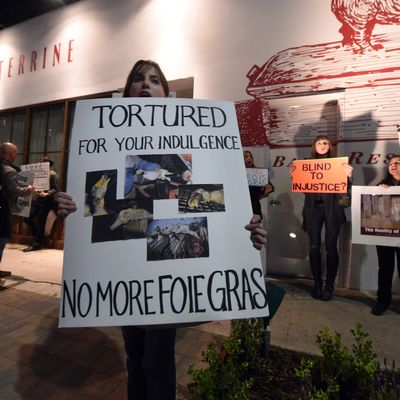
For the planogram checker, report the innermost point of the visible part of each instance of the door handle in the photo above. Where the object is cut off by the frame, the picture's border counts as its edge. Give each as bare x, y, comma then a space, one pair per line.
274, 203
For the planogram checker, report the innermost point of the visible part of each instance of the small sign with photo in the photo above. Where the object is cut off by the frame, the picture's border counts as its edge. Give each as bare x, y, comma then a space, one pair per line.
41, 171
22, 206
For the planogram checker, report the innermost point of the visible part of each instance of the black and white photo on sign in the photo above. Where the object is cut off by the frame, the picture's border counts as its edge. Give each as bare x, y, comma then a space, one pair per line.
201, 198
163, 209
170, 239
376, 215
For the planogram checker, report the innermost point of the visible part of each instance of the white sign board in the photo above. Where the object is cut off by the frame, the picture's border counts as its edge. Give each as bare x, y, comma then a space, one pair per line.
376, 215
22, 206
41, 180
162, 200
257, 176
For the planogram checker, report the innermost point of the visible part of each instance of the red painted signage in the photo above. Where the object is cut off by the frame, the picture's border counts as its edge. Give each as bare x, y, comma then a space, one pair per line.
37, 60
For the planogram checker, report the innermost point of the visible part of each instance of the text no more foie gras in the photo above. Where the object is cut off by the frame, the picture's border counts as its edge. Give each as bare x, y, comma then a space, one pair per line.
222, 290
153, 115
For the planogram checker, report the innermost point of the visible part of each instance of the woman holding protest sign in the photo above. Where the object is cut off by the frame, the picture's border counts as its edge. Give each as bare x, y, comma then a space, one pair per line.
151, 351
387, 254
324, 209
257, 193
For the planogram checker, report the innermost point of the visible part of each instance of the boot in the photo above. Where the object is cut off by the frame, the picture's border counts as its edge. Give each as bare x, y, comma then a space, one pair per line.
315, 264
316, 291
327, 293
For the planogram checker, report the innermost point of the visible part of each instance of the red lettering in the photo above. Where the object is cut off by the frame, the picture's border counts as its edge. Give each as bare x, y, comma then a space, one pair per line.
70, 50
44, 57
10, 60
373, 158
21, 64
56, 54
355, 157
33, 61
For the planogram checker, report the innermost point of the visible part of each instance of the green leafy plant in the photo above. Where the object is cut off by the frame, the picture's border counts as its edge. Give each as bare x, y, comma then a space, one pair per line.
227, 376
340, 373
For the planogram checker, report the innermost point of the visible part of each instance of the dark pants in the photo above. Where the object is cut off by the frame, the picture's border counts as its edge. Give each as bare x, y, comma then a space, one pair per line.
150, 363
3, 242
39, 213
386, 260
331, 237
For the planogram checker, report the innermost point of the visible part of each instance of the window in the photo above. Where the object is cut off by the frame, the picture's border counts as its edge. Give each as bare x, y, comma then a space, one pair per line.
12, 128
47, 124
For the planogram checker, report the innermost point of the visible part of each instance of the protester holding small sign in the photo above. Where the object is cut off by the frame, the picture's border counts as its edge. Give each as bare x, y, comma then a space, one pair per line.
387, 254
257, 193
40, 209
320, 209
151, 351
9, 191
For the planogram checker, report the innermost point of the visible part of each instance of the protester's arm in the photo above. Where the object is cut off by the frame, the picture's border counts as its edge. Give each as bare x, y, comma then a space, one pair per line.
11, 187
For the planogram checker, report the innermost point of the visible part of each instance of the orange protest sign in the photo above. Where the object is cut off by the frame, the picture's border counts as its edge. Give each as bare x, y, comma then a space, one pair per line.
324, 175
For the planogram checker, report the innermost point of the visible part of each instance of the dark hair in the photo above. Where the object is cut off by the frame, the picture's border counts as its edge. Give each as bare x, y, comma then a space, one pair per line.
388, 174
314, 153
47, 159
137, 68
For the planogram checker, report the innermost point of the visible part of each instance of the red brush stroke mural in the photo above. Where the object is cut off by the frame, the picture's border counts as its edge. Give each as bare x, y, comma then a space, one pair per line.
251, 126
358, 18
366, 66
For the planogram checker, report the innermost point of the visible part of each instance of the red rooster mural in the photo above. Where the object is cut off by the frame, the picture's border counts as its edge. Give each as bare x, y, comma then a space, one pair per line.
358, 18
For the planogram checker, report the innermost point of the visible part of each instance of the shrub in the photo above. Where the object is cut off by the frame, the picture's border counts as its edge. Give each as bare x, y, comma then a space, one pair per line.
227, 376
340, 373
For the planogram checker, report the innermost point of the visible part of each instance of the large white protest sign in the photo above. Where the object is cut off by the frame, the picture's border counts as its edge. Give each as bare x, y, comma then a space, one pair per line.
376, 215
162, 200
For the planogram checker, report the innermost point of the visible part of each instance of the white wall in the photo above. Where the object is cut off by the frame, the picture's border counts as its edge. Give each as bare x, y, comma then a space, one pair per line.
216, 41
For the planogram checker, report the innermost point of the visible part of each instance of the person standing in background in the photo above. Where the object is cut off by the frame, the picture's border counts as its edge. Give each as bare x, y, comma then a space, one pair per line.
387, 254
9, 192
257, 193
323, 209
40, 208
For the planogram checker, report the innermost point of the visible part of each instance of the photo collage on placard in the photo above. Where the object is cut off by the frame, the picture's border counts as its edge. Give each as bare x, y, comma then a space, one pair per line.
148, 178
380, 215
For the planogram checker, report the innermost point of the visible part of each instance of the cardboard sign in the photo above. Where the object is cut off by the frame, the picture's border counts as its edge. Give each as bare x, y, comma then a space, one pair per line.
376, 215
162, 200
320, 176
257, 176
41, 171
22, 207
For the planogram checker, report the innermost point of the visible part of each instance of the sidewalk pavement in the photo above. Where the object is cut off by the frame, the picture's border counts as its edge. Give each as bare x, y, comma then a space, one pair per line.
39, 360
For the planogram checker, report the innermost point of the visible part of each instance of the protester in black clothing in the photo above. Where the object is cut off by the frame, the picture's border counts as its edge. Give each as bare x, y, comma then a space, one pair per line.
9, 192
40, 208
387, 254
323, 209
151, 352
257, 193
